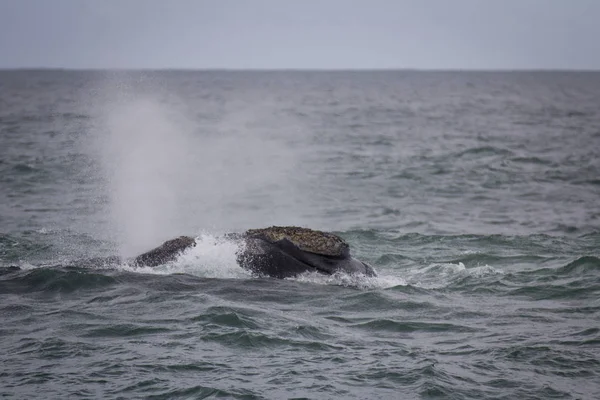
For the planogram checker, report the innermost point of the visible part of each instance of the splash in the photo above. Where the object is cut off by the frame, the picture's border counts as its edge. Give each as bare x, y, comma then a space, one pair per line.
212, 257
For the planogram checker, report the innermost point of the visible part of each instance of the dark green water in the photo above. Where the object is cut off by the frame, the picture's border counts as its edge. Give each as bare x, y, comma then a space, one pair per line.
474, 195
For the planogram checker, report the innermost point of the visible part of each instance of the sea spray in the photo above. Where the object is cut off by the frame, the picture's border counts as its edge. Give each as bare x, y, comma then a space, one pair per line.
164, 175
211, 257
147, 161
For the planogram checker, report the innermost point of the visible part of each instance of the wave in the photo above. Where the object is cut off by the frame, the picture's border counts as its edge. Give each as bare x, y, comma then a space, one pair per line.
63, 280
582, 266
484, 151
442, 275
411, 326
351, 280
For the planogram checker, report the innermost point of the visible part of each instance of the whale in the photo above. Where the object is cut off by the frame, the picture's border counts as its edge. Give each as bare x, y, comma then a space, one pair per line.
276, 252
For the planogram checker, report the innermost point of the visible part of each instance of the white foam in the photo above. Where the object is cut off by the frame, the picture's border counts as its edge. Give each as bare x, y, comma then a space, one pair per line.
441, 275
212, 257
470, 251
351, 280
484, 270
25, 266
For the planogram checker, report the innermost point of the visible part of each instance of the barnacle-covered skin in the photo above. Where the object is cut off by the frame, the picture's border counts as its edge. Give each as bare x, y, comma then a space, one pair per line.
305, 239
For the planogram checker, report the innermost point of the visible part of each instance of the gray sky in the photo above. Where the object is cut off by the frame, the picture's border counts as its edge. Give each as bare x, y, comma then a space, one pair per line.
431, 34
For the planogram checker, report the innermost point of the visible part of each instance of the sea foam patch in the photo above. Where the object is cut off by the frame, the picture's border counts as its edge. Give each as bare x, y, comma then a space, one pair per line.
441, 275
352, 280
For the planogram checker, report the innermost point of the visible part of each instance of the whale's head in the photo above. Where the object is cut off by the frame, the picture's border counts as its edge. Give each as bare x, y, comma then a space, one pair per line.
288, 251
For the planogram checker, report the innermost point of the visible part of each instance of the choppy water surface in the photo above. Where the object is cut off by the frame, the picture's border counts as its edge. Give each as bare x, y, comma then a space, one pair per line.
474, 195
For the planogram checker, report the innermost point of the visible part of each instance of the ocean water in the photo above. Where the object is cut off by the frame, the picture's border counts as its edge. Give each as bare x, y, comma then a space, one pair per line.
475, 196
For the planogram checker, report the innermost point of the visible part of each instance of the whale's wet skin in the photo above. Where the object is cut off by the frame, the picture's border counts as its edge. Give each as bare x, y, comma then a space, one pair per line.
474, 197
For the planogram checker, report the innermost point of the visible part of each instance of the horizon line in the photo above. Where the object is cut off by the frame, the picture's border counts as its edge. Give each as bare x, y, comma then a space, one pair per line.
225, 69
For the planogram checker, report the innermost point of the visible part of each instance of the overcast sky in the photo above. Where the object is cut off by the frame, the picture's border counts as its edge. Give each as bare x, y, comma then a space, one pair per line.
338, 34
